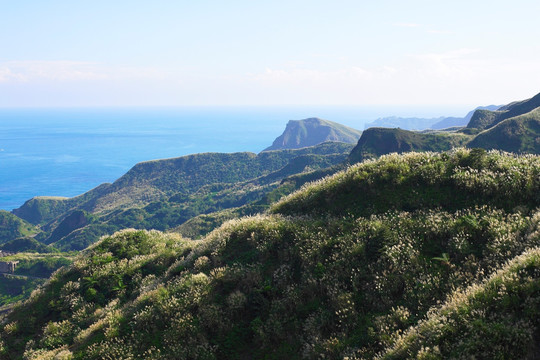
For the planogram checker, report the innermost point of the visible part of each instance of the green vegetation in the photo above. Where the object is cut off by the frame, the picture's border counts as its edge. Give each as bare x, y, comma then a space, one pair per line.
12, 227
339, 269
163, 194
38, 265
16, 288
379, 141
514, 127
311, 132
519, 134
485, 119
41, 209
203, 224
31, 271
415, 181
27, 244
474, 321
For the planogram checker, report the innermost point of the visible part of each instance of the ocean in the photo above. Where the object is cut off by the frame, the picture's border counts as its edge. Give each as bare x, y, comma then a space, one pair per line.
68, 151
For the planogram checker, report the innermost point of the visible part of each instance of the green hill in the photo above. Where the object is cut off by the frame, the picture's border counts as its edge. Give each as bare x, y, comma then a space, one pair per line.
519, 134
513, 127
313, 131
375, 142
26, 244
12, 227
338, 269
485, 119
162, 194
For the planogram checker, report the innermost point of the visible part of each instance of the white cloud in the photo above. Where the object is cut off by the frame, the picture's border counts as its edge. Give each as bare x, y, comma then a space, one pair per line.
461, 76
37, 70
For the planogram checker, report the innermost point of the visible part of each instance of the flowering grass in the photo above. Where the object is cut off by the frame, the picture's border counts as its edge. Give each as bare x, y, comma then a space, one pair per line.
313, 279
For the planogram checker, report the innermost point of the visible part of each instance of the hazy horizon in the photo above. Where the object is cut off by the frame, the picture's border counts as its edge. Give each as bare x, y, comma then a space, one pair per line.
177, 53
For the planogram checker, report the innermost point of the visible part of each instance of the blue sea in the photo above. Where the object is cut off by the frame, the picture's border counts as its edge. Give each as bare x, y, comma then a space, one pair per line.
68, 151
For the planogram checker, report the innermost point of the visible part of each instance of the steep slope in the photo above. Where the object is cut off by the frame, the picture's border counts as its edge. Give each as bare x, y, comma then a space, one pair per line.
321, 283
162, 194
26, 244
473, 321
12, 227
379, 141
485, 119
519, 134
468, 178
313, 131
43, 209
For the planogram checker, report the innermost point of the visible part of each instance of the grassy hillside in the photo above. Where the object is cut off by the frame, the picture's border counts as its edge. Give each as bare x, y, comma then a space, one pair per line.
12, 227
32, 271
520, 134
26, 244
42, 209
203, 224
321, 277
463, 179
485, 119
379, 141
495, 319
163, 194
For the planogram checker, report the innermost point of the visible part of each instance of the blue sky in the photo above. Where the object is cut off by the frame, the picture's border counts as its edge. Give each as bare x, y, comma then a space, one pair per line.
173, 53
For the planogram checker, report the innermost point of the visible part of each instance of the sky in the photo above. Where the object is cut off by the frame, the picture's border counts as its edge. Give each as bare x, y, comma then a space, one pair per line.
178, 53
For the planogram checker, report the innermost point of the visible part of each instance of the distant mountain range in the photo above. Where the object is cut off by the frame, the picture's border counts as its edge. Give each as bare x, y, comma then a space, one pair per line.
514, 128
415, 123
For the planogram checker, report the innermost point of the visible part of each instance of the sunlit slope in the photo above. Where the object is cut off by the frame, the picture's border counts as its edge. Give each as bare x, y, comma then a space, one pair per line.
321, 277
414, 181
520, 134
311, 132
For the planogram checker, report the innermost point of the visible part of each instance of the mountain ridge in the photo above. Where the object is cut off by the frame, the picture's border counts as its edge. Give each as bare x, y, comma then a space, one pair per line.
316, 277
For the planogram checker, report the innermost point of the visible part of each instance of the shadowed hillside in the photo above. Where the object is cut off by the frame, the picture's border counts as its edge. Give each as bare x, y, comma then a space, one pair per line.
375, 142
519, 134
162, 194
485, 119
320, 277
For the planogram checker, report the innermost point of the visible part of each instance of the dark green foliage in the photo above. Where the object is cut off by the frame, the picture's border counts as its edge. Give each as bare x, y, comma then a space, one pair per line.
27, 244
519, 134
12, 227
163, 194
73, 221
379, 141
458, 279
16, 288
201, 225
41, 267
454, 180
31, 271
485, 119
42, 209
81, 238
